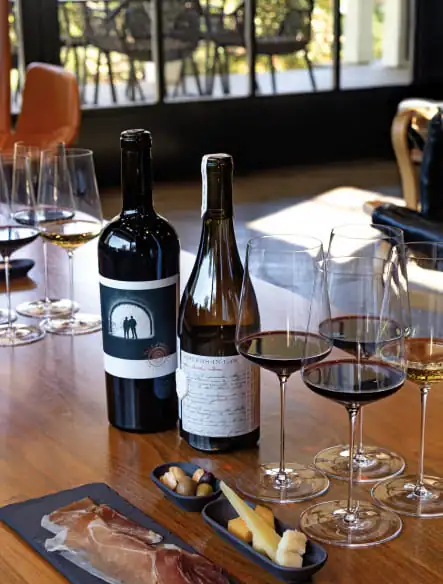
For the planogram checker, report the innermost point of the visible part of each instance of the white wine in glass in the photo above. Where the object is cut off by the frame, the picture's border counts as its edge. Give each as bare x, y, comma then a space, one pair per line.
69, 189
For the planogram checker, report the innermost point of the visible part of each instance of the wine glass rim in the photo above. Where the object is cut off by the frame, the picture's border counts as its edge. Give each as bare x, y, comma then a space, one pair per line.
388, 228
68, 152
316, 243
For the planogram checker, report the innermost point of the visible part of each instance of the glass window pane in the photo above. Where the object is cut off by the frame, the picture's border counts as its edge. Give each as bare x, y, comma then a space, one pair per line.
294, 45
376, 43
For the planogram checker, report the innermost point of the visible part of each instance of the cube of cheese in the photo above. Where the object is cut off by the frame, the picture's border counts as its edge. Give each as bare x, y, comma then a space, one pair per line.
266, 514
239, 528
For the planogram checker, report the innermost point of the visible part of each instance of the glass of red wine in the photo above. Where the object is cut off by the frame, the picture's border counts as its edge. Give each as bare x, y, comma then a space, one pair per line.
45, 307
284, 283
363, 370
371, 463
421, 495
14, 236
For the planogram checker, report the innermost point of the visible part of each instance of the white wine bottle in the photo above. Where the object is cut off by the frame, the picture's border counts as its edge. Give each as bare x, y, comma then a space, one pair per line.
218, 390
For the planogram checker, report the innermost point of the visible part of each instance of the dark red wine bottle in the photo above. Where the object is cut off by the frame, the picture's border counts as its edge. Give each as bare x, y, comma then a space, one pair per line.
138, 256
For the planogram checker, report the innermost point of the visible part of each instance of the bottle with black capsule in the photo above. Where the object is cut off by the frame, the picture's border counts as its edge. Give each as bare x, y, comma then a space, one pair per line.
219, 391
138, 255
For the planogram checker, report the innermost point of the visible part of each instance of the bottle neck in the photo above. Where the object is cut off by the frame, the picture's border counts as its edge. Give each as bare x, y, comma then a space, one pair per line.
218, 241
137, 181
217, 194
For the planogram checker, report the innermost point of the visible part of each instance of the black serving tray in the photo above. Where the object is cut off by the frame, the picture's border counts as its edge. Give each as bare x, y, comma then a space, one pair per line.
218, 513
17, 269
24, 518
187, 503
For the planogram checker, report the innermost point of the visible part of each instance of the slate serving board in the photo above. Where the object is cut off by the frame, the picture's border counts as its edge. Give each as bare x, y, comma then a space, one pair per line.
24, 518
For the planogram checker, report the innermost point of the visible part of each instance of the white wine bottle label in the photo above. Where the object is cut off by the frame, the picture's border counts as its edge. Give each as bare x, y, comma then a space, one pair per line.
139, 322
219, 396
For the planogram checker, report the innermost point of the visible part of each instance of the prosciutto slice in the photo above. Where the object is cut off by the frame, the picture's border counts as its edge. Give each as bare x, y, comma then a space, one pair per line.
64, 516
123, 551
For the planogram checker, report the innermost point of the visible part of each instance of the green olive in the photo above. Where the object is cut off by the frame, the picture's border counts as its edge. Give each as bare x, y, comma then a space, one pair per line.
186, 486
204, 489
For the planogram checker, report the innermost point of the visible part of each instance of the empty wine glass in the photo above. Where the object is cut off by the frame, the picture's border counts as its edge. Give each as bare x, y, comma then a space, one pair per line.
421, 495
287, 268
370, 368
45, 307
69, 215
16, 189
371, 463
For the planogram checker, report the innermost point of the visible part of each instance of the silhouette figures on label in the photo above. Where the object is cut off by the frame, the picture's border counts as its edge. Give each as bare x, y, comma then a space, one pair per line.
126, 326
133, 327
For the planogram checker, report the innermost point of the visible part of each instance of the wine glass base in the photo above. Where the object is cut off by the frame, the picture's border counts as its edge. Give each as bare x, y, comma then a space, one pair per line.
20, 334
326, 522
399, 494
4, 316
42, 308
301, 483
81, 324
373, 465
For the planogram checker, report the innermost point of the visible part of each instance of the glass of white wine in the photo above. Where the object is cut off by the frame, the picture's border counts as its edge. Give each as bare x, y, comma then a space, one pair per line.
69, 215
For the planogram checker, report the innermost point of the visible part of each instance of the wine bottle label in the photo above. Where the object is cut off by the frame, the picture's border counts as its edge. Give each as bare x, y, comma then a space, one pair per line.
219, 396
139, 321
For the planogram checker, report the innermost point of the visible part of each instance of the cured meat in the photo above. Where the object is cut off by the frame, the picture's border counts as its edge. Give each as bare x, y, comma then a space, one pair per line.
65, 515
123, 550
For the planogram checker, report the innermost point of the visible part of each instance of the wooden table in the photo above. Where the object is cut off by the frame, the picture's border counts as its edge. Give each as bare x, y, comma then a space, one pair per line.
54, 435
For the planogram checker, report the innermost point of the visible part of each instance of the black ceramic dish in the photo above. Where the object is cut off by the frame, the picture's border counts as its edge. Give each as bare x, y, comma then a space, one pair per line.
218, 513
187, 503
17, 269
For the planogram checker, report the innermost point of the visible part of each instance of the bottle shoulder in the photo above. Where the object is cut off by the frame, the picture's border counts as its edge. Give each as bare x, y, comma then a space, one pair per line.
131, 232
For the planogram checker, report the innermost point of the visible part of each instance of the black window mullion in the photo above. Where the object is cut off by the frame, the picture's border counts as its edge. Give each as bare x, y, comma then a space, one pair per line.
157, 51
251, 48
336, 58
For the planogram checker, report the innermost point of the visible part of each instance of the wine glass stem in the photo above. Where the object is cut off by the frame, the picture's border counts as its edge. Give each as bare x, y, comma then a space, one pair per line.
45, 264
420, 488
359, 452
282, 470
71, 284
8, 290
350, 510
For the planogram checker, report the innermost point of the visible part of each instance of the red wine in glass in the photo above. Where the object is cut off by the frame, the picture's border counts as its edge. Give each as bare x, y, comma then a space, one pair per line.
281, 351
350, 382
13, 238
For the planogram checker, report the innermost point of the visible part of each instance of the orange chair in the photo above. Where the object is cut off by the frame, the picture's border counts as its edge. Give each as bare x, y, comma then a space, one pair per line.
50, 110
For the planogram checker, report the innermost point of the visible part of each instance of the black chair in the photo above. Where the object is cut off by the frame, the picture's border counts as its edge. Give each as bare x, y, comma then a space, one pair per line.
128, 30
283, 27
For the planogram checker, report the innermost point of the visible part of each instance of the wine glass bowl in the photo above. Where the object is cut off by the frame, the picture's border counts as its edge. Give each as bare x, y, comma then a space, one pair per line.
69, 215
44, 307
16, 191
368, 368
421, 495
371, 463
289, 268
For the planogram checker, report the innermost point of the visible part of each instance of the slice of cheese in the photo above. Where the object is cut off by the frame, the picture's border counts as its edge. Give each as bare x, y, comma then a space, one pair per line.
266, 514
239, 528
264, 536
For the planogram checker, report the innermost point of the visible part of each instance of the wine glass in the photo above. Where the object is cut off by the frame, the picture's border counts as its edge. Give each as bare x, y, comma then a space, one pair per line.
371, 368
46, 306
371, 463
69, 215
421, 495
15, 186
287, 268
